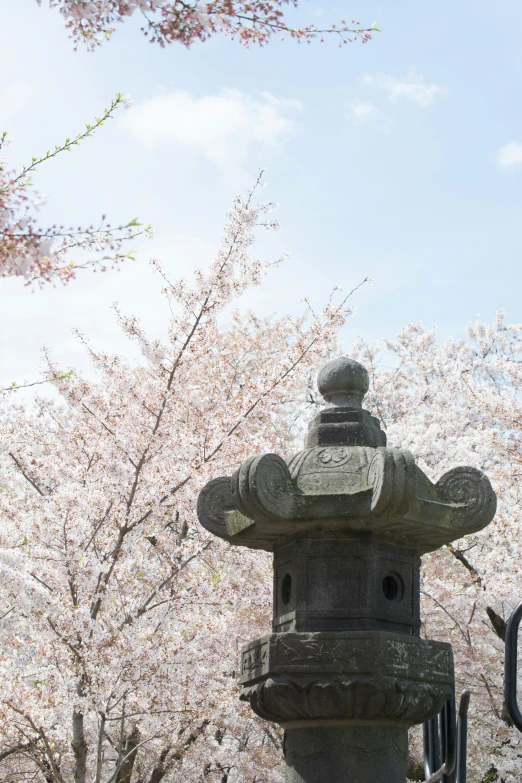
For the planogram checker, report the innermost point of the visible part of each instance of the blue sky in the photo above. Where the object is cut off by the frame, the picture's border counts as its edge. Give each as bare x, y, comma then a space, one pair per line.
400, 160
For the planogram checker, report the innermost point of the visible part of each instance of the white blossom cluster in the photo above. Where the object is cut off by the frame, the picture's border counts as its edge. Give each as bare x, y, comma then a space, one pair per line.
120, 617
458, 403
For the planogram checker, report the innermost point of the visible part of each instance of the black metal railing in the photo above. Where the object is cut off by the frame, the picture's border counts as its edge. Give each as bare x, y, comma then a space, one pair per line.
510, 667
445, 736
445, 743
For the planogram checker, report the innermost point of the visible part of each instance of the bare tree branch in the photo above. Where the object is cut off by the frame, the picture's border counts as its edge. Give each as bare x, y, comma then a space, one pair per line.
26, 475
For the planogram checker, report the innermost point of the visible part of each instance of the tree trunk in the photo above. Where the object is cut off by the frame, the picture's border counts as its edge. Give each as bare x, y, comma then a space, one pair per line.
79, 747
129, 756
165, 764
48, 774
161, 769
415, 769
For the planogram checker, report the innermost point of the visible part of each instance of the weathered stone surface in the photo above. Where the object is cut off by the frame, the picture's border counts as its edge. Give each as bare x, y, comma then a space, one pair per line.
339, 426
342, 582
373, 676
346, 488
345, 672
351, 754
214, 500
343, 382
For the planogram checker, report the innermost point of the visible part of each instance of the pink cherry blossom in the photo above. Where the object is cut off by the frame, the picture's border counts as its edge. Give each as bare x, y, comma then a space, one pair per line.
164, 21
455, 403
120, 617
44, 254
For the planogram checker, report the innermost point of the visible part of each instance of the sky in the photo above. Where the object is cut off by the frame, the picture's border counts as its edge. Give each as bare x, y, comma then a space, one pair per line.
399, 160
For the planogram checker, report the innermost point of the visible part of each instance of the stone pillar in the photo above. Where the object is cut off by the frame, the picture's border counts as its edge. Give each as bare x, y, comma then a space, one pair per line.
344, 671
354, 754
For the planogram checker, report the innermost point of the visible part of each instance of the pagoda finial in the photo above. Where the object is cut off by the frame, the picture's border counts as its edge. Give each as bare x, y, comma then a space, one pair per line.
343, 382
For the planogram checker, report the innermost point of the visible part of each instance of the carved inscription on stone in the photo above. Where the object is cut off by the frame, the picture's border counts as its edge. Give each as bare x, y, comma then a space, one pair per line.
369, 653
254, 661
345, 655
402, 657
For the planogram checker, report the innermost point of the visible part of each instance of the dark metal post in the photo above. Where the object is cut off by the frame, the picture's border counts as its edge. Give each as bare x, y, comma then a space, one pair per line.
462, 738
510, 670
453, 740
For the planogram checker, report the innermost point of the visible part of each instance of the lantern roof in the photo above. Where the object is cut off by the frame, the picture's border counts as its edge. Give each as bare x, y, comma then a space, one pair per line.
345, 479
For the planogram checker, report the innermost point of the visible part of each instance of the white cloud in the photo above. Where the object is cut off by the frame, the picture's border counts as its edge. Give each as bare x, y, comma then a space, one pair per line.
223, 126
411, 87
510, 154
362, 112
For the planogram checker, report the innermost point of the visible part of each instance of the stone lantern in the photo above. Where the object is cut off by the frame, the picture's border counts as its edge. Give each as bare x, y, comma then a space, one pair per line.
344, 671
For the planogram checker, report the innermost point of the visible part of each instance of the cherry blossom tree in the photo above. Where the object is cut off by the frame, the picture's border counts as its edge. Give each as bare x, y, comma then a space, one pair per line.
165, 21
120, 617
49, 253
453, 403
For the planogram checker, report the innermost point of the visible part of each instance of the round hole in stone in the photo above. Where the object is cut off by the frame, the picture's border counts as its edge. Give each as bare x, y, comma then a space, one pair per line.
392, 587
286, 589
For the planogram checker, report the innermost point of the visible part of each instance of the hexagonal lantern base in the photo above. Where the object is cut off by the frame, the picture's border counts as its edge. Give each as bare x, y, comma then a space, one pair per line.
346, 699
296, 679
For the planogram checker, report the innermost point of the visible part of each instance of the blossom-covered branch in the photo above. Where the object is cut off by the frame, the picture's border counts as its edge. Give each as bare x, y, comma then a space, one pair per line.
45, 254
452, 403
119, 616
166, 21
